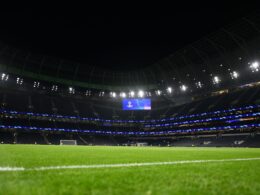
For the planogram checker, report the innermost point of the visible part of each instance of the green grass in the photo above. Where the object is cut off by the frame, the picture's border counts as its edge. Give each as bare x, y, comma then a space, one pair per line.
241, 177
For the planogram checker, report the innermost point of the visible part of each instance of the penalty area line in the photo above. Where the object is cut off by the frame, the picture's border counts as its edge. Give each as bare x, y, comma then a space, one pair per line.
97, 166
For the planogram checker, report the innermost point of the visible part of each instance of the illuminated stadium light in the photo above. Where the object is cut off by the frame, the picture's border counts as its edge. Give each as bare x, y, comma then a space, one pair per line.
101, 94
234, 75
88, 93
113, 94
158, 92
148, 94
254, 67
36, 84
131, 94
169, 90
71, 90
216, 80
19, 81
4, 77
141, 93
54, 88
198, 84
123, 94
183, 87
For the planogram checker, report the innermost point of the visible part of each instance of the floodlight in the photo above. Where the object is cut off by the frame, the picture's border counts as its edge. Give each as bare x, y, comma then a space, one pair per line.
254, 67
183, 87
122, 94
71, 90
113, 94
169, 90
88, 93
54, 88
4, 77
36, 84
101, 93
131, 93
234, 75
216, 80
198, 84
19, 81
158, 92
141, 93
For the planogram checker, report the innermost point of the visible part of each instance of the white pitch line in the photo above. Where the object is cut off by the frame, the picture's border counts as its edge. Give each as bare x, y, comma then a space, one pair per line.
12, 169
8, 169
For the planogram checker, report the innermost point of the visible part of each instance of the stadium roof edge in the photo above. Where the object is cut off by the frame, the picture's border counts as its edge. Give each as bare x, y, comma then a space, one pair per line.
42, 77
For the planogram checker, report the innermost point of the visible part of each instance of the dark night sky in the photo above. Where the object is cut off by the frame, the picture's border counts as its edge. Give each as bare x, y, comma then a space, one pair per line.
112, 42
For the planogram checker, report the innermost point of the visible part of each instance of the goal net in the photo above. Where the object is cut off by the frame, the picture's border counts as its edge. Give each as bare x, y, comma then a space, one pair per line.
68, 142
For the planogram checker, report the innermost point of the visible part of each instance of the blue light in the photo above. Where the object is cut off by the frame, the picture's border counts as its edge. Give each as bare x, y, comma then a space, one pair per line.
132, 121
138, 132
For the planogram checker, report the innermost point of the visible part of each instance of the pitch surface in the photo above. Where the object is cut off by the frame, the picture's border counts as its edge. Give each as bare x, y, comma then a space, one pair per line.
205, 177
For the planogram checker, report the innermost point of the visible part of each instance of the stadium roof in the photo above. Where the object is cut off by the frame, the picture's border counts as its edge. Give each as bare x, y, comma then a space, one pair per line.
172, 63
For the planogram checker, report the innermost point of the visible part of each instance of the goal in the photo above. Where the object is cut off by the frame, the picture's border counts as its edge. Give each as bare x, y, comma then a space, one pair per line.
141, 144
68, 142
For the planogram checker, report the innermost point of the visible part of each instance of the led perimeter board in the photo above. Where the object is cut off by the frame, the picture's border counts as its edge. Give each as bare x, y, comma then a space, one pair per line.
136, 104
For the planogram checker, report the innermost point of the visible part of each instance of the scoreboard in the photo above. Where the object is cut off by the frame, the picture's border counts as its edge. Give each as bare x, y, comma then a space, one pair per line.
136, 104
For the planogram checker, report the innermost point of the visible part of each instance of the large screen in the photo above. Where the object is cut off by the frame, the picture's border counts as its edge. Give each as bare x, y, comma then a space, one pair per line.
136, 104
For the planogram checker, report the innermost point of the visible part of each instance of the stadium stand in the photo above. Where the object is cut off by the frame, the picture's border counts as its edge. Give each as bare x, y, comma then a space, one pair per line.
47, 119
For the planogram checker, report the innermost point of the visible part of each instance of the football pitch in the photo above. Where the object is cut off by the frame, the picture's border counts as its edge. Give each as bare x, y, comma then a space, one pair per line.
36, 169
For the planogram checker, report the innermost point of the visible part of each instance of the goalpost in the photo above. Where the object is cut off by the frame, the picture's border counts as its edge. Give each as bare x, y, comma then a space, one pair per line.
68, 142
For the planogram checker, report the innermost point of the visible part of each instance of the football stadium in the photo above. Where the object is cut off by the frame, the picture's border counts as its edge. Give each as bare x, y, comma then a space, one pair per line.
110, 105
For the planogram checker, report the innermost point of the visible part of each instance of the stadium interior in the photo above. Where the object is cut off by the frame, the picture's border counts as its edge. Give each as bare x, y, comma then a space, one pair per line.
130, 105
212, 100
